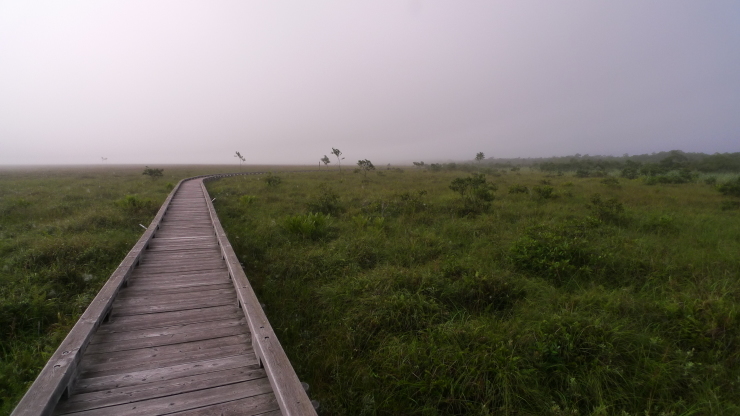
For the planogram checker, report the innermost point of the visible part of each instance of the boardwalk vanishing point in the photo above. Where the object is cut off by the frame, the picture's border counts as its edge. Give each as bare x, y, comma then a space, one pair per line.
177, 329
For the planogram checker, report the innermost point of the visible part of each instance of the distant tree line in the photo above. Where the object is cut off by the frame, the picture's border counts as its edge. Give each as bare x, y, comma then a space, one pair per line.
648, 164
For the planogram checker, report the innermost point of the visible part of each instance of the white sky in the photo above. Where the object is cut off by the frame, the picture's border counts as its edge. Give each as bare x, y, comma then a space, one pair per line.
390, 81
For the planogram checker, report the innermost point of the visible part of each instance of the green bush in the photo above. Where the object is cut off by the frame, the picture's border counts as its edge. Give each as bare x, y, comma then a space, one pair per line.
476, 193
730, 188
663, 224
248, 199
672, 177
326, 202
313, 226
152, 172
611, 182
478, 293
544, 192
556, 254
609, 211
518, 189
134, 204
729, 205
273, 180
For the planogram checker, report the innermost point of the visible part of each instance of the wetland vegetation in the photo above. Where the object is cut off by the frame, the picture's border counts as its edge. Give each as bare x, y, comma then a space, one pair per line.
465, 289
438, 291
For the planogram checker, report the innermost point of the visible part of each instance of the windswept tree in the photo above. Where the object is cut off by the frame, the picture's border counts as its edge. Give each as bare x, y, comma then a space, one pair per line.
325, 160
479, 157
241, 159
419, 164
365, 166
337, 153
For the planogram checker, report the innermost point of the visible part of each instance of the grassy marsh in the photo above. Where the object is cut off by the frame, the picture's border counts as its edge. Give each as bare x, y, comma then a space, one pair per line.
404, 298
392, 297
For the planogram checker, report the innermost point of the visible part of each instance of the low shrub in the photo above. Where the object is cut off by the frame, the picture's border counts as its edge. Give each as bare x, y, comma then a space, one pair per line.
476, 193
672, 177
248, 199
729, 205
518, 189
663, 224
554, 253
133, 204
544, 192
313, 226
611, 182
273, 180
582, 173
609, 211
730, 188
326, 202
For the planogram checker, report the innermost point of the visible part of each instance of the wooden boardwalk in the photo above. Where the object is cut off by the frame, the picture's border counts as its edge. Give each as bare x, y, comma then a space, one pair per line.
176, 337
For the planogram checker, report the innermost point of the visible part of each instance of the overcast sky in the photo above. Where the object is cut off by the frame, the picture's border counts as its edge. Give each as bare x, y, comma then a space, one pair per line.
390, 81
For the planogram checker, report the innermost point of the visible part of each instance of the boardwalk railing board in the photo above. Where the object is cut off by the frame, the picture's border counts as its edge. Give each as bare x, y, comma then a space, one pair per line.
63, 369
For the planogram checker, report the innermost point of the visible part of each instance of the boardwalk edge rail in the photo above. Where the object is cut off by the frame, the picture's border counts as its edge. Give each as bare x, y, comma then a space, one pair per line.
58, 375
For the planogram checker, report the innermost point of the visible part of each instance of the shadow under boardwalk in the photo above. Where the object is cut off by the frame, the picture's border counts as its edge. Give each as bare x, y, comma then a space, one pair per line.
175, 341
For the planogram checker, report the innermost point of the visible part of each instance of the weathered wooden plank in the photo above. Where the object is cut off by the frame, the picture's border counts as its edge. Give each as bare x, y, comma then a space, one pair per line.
165, 340
159, 298
182, 265
173, 280
203, 251
186, 401
152, 354
86, 385
177, 265
170, 307
172, 232
169, 331
134, 322
190, 268
262, 405
175, 284
174, 288
121, 366
171, 298
137, 278
180, 248
136, 393
182, 245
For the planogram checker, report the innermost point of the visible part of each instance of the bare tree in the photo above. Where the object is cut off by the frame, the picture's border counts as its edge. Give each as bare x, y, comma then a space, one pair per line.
241, 159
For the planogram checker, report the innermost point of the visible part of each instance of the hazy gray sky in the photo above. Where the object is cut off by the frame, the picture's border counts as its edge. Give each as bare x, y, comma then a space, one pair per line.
391, 81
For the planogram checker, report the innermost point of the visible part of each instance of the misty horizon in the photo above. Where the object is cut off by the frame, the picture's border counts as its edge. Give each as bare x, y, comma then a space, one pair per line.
393, 82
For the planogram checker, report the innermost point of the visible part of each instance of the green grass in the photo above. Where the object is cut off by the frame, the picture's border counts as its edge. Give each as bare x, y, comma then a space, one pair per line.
395, 295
